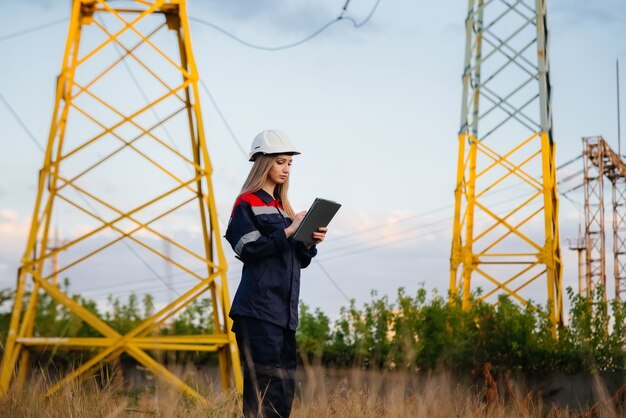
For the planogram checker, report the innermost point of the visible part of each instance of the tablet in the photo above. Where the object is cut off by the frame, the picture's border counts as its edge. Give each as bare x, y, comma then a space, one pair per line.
320, 214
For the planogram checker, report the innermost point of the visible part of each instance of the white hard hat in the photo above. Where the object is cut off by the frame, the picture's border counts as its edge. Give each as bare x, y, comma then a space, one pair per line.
271, 141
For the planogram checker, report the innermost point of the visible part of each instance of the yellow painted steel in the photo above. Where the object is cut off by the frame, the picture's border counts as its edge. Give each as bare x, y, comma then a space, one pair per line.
53, 185
467, 232
506, 149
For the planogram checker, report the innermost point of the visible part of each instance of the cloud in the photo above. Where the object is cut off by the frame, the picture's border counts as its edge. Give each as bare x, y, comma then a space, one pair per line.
14, 231
395, 226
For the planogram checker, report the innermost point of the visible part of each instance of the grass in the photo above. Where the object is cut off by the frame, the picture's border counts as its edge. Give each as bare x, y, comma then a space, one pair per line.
327, 393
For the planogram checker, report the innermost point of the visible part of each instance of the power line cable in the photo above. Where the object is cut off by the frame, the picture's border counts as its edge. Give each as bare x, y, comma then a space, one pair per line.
80, 195
142, 92
408, 218
431, 211
341, 16
32, 29
404, 231
304, 40
571, 176
357, 251
142, 280
387, 244
329, 277
577, 205
156, 116
154, 289
565, 164
367, 248
25, 128
393, 222
224, 121
441, 221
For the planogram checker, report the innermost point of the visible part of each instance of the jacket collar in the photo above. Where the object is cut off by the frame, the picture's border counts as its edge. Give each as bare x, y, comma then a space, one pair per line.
264, 196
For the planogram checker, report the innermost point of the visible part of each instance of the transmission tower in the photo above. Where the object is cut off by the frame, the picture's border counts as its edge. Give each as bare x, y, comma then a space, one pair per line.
580, 247
111, 178
601, 161
505, 236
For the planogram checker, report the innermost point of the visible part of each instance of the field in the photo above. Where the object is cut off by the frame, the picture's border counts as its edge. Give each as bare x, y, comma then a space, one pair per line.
322, 393
373, 362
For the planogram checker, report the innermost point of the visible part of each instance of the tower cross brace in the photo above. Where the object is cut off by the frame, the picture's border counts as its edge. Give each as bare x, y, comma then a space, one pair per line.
103, 141
505, 232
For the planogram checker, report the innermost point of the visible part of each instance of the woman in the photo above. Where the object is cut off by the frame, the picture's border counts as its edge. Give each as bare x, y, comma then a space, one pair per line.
265, 307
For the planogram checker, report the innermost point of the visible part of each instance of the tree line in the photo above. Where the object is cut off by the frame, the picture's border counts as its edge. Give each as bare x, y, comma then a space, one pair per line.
413, 332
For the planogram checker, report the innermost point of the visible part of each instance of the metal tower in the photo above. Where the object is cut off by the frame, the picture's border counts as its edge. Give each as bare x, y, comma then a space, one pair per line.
505, 236
579, 245
111, 178
600, 161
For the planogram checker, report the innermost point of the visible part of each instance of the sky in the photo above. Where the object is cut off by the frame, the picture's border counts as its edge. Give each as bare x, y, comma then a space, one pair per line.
375, 111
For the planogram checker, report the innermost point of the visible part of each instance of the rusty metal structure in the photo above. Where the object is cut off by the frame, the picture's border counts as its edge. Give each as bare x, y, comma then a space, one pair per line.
579, 245
506, 148
601, 161
104, 140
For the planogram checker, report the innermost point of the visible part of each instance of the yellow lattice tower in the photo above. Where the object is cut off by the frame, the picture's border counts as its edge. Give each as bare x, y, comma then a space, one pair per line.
506, 237
111, 178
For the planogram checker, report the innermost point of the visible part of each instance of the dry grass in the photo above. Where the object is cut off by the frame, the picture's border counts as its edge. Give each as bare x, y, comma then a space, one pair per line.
350, 394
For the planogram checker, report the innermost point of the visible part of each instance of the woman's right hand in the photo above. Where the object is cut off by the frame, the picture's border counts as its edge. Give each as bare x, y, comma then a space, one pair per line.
297, 220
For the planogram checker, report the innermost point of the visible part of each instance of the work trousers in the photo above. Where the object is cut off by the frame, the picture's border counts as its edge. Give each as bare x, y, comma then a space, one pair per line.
268, 354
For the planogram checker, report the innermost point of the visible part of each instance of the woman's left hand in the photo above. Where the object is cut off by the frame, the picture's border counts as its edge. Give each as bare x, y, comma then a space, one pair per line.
320, 234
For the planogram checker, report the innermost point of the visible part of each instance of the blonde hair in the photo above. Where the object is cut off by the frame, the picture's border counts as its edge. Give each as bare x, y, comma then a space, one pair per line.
257, 176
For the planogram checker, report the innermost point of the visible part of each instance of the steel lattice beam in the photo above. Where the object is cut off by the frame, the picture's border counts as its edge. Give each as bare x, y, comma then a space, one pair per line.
601, 161
595, 272
506, 149
619, 236
94, 123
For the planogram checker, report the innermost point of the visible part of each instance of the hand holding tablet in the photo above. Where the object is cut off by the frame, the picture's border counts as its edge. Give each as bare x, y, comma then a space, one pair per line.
319, 215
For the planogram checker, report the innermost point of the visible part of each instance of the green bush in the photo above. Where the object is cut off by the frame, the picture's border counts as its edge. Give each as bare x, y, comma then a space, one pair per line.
419, 332
54, 320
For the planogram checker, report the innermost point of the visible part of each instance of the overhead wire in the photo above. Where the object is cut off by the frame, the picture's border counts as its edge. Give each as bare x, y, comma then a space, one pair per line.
32, 29
24, 127
394, 242
151, 289
571, 176
233, 136
171, 140
339, 18
573, 160
329, 277
323, 269
431, 211
223, 118
277, 48
141, 280
404, 231
445, 221
143, 93
221, 114
30, 134
382, 245
241, 149
390, 243
308, 38
41, 148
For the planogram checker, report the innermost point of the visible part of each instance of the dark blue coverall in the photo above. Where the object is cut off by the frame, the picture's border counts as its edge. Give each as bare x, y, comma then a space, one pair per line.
265, 306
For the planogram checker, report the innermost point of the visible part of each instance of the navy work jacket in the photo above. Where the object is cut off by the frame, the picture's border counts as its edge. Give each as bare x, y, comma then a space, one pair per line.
270, 280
